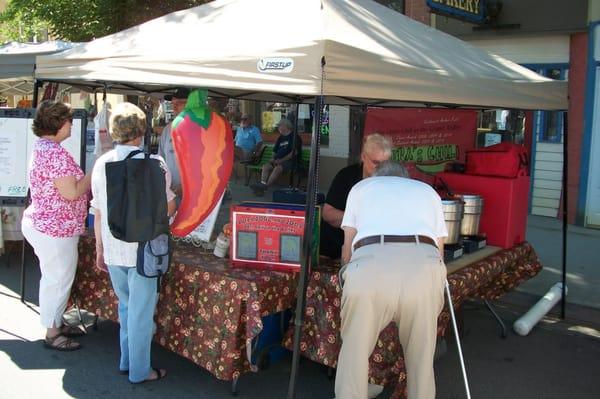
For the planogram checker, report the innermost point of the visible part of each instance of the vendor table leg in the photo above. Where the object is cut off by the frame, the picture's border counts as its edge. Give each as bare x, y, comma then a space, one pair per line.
234, 383
79, 315
330, 373
496, 316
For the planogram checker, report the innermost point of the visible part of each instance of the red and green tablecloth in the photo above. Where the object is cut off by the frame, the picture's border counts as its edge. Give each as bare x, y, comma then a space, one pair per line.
209, 312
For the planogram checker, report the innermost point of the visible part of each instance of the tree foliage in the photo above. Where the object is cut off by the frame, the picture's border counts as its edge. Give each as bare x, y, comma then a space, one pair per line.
82, 20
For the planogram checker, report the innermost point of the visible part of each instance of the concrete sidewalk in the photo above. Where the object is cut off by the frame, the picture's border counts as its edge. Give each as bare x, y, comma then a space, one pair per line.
583, 260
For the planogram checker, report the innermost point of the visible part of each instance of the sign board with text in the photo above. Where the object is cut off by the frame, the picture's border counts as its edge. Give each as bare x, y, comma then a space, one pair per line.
425, 140
269, 235
466, 10
16, 145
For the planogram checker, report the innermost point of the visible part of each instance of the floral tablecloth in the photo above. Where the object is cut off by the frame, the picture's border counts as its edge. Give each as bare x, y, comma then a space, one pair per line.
489, 278
207, 311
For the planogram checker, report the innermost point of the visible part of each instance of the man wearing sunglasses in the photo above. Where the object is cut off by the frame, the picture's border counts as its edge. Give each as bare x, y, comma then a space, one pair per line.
376, 149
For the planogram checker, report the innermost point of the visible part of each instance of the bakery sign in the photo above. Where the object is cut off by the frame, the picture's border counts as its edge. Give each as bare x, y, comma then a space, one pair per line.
467, 10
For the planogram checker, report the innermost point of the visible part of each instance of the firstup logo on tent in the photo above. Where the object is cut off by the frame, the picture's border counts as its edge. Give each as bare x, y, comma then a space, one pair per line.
279, 65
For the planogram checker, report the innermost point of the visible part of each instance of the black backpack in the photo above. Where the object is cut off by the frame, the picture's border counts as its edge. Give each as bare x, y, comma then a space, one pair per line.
136, 198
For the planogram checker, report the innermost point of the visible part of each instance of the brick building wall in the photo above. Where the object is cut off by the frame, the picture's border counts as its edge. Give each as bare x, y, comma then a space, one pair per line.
417, 10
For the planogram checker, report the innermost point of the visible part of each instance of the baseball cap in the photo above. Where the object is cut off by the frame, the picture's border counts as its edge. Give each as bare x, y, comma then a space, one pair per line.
181, 92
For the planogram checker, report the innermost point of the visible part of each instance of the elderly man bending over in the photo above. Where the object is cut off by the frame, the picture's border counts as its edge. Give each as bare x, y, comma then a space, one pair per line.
394, 233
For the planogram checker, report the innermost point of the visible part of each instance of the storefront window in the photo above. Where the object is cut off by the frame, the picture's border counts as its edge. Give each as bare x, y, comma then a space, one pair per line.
549, 125
500, 125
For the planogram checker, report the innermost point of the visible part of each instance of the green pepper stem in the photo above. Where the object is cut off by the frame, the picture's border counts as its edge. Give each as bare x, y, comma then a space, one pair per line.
196, 108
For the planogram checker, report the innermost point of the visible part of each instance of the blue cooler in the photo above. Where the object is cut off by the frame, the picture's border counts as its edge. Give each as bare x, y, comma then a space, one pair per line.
267, 348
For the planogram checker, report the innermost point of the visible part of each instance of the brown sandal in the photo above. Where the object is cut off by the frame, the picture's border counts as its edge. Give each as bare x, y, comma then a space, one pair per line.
66, 345
71, 331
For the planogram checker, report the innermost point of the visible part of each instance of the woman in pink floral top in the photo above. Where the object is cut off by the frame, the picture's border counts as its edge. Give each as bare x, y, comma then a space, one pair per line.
55, 219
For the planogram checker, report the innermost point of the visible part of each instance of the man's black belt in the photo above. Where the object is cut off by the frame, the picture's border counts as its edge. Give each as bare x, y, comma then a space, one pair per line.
380, 239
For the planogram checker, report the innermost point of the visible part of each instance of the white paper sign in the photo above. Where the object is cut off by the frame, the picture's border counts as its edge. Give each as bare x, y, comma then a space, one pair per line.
205, 229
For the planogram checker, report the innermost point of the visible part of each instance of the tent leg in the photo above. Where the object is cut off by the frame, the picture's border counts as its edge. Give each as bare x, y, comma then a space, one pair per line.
565, 213
23, 270
311, 202
37, 84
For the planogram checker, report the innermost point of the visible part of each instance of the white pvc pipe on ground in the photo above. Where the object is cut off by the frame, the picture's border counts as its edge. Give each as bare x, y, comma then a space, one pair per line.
524, 324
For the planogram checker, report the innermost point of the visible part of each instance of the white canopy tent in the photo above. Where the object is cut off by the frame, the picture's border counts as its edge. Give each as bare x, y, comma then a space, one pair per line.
17, 64
328, 51
273, 49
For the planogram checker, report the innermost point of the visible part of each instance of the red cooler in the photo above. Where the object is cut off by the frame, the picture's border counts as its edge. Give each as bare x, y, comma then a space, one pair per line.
505, 205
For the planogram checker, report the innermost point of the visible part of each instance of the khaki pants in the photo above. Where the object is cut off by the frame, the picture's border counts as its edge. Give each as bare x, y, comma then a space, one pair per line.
401, 282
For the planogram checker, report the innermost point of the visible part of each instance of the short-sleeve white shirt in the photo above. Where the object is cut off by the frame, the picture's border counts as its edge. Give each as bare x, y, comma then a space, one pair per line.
117, 252
395, 206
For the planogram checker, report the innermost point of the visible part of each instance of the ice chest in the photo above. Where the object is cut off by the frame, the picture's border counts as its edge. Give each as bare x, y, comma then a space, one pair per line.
500, 160
506, 200
269, 235
267, 349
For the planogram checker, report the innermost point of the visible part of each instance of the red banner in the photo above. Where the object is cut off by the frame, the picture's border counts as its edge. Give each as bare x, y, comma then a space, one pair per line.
425, 140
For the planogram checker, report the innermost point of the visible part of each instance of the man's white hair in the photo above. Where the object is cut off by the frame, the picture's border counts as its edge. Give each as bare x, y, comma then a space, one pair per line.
377, 141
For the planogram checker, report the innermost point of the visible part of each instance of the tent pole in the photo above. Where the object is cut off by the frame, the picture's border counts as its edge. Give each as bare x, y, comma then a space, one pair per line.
565, 213
294, 171
36, 85
34, 103
311, 202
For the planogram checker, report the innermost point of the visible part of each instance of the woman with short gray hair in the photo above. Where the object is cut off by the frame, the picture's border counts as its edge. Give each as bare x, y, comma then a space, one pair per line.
137, 294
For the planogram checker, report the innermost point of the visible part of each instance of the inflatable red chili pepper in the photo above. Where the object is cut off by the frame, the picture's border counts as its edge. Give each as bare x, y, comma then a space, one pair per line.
203, 145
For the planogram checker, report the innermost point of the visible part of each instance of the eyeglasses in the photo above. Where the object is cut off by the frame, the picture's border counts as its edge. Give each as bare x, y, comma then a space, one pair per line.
375, 162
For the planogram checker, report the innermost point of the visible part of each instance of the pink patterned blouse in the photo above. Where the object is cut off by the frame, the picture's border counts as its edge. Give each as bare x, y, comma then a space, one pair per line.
49, 212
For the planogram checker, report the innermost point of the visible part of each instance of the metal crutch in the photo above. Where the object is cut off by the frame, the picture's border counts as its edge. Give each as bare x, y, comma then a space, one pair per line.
460, 354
